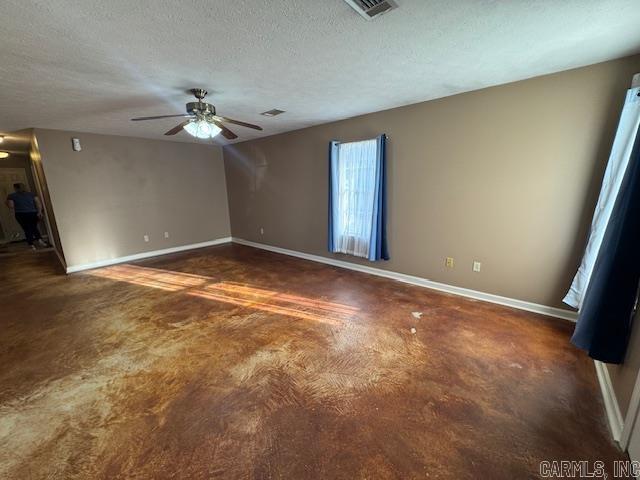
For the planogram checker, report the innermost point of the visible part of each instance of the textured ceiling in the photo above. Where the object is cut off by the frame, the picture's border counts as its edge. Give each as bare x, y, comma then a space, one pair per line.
91, 65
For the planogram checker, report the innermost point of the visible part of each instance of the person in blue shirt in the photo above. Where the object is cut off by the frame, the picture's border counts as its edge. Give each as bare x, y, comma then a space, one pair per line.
28, 212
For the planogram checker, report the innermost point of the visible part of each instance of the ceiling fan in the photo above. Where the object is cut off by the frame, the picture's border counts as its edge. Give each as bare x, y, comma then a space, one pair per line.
202, 121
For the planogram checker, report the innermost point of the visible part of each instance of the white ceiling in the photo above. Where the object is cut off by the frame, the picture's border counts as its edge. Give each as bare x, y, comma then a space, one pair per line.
91, 65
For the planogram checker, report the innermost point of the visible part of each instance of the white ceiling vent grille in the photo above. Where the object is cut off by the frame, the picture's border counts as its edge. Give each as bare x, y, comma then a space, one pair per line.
371, 9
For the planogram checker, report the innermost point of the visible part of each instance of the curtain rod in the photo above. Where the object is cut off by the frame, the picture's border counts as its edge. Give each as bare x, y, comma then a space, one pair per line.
386, 136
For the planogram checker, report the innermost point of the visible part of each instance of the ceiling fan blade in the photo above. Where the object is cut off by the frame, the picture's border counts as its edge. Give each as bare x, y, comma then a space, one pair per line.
161, 116
177, 128
226, 133
238, 122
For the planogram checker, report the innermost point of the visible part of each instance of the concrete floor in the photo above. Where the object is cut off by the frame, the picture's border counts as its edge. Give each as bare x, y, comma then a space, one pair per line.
15, 248
235, 363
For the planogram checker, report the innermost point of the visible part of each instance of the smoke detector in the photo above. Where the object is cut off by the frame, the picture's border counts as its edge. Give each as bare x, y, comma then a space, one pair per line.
371, 9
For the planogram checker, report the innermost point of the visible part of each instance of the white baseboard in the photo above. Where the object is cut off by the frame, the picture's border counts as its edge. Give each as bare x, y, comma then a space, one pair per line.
140, 256
614, 416
423, 282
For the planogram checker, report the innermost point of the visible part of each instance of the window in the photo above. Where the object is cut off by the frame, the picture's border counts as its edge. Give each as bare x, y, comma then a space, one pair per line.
356, 223
619, 160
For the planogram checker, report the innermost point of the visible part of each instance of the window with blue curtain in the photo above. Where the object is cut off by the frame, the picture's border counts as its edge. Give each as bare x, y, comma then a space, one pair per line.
605, 288
357, 198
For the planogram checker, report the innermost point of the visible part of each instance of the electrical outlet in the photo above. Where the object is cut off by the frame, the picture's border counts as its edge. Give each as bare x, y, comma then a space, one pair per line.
449, 262
146, 238
166, 234
476, 266
261, 231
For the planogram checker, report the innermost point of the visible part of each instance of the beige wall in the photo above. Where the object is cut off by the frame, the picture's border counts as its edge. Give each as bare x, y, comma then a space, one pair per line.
507, 176
117, 189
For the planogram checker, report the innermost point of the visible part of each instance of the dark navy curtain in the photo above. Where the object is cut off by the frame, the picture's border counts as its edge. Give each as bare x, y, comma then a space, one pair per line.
604, 322
333, 153
378, 249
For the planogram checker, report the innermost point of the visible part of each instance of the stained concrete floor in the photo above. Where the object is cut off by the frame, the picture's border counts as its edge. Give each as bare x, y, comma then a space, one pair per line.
16, 248
235, 363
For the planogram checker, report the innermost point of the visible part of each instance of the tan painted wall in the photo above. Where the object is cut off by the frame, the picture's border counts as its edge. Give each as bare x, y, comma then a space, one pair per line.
508, 176
117, 189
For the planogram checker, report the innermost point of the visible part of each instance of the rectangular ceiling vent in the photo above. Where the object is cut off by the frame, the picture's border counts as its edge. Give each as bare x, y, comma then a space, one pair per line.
272, 113
371, 9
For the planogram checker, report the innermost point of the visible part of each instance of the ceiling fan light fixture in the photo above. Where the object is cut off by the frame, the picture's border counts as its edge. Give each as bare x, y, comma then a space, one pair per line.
202, 129
202, 120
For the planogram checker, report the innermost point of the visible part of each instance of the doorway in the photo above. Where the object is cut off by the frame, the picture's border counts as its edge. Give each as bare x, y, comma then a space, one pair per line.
10, 231
23, 164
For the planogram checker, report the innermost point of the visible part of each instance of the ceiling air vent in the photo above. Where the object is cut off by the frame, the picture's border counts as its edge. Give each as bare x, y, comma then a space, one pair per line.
272, 113
370, 9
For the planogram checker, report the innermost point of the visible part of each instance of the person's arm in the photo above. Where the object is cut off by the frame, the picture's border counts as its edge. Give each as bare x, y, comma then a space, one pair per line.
9, 204
38, 206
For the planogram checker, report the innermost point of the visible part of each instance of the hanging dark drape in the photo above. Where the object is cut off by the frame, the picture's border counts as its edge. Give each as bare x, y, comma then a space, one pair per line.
605, 318
333, 153
378, 242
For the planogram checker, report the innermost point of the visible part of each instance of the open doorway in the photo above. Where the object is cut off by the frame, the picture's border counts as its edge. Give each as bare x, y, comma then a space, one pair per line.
21, 166
10, 175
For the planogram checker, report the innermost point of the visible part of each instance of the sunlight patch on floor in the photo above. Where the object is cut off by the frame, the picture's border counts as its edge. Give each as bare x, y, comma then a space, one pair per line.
243, 295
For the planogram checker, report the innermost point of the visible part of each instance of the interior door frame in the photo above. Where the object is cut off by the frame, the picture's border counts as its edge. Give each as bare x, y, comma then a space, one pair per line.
631, 415
39, 191
39, 176
630, 418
